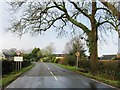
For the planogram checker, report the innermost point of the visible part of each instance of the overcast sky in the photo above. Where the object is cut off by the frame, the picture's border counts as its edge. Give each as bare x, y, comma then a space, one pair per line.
9, 40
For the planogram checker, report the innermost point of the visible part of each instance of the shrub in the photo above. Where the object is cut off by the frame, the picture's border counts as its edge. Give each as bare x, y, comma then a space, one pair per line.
72, 61
68, 60
110, 69
26, 63
57, 60
7, 66
53, 59
85, 64
115, 58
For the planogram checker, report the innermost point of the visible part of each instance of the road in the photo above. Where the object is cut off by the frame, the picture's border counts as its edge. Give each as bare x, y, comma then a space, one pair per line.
48, 75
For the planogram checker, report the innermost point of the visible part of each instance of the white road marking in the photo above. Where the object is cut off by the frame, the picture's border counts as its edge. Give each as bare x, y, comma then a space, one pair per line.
53, 75
51, 72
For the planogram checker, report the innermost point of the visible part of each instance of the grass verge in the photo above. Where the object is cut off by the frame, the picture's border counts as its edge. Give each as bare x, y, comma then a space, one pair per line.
99, 78
7, 79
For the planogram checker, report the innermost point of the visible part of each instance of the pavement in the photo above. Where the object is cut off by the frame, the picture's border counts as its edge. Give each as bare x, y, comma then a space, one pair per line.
49, 75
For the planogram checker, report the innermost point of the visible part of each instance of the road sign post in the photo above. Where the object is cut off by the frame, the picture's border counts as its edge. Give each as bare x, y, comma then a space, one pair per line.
77, 61
77, 54
18, 59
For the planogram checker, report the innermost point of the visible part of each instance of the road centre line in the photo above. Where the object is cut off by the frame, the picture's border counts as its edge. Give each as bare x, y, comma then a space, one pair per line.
51, 72
54, 76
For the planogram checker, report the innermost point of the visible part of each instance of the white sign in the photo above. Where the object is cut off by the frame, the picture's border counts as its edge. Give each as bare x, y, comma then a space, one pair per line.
18, 59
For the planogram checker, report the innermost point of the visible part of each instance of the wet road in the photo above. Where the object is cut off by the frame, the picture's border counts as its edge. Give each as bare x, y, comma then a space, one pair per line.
48, 75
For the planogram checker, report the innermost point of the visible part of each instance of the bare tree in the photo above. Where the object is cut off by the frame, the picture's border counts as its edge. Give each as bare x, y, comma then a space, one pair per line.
41, 16
75, 45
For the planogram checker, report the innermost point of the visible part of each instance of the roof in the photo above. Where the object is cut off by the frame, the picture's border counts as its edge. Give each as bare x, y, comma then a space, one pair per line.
59, 55
108, 57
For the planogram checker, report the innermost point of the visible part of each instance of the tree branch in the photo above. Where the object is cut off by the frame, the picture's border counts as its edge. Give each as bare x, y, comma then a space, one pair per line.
103, 9
73, 21
115, 12
80, 10
99, 24
83, 27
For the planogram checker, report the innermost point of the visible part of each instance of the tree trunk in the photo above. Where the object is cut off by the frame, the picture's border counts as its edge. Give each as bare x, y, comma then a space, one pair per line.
93, 37
93, 52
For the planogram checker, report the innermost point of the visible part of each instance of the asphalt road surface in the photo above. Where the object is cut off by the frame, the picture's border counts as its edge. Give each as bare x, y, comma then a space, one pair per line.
48, 75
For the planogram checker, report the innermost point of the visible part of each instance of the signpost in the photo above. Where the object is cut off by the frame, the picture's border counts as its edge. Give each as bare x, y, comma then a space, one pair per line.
77, 54
18, 60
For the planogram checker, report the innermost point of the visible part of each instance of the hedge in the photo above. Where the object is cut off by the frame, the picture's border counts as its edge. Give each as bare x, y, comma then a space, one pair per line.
107, 68
110, 69
10, 66
85, 64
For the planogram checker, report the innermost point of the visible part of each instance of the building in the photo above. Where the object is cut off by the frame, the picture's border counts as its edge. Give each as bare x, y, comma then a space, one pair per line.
2, 56
59, 56
107, 57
